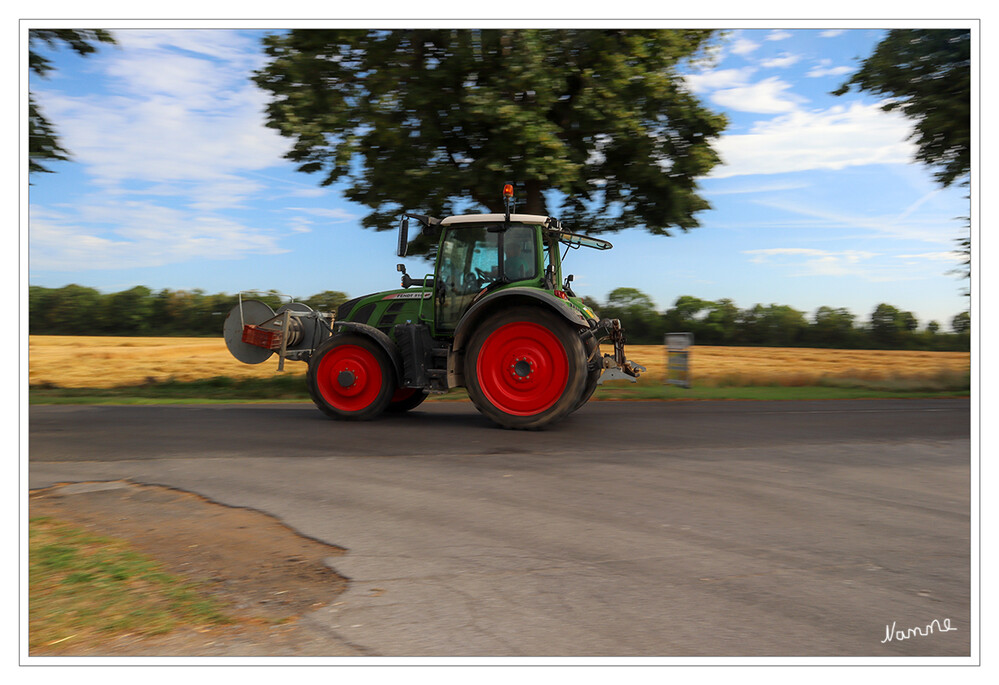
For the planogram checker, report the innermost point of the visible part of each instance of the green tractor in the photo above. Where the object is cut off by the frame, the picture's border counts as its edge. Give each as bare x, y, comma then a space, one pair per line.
495, 317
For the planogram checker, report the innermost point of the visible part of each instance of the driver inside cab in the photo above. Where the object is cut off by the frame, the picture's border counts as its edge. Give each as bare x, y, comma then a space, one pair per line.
518, 261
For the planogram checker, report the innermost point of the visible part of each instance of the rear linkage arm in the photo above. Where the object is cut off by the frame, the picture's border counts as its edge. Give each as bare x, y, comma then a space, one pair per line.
615, 367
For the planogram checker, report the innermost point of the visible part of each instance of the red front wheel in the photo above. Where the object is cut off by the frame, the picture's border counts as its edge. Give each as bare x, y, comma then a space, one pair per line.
351, 377
525, 368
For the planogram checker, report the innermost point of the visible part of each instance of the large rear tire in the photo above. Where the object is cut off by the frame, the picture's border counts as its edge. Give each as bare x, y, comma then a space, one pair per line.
525, 368
351, 378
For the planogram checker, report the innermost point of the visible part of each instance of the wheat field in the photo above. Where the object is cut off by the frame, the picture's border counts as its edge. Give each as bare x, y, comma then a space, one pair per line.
104, 362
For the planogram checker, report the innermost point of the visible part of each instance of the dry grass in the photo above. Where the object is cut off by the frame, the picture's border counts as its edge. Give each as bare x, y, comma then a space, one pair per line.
104, 362
756, 366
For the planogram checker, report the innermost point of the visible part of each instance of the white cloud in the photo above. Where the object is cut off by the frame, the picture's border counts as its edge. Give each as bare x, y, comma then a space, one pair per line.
174, 117
778, 35
116, 234
179, 108
784, 60
743, 46
812, 262
754, 188
824, 68
872, 267
836, 138
934, 256
926, 230
766, 97
831, 33
706, 81
330, 214
228, 47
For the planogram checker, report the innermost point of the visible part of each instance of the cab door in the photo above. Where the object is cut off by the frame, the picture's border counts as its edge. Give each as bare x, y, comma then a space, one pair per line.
468, 261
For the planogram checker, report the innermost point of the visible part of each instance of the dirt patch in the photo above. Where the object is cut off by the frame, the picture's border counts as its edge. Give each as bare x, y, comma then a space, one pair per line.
266, 574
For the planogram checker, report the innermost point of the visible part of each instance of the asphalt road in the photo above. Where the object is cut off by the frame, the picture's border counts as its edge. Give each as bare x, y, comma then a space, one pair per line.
631, 529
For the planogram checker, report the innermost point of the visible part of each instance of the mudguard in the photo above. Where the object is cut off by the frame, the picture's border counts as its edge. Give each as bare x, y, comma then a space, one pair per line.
379, 337
506, 298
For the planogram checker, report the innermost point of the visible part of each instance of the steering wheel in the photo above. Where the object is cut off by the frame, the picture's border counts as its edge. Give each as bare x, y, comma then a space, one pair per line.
481, 276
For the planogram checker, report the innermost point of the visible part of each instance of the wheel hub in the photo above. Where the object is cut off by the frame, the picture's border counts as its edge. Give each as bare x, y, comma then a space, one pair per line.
523, 368
346, 378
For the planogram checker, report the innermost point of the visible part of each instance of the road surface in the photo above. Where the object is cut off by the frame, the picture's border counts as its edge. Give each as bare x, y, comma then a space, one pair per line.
655, 529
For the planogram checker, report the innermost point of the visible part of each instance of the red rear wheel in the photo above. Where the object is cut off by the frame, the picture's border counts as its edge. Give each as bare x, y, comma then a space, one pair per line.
525, 368
522, 368
350, 377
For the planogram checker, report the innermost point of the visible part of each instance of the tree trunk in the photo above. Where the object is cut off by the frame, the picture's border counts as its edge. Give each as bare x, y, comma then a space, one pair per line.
534, 200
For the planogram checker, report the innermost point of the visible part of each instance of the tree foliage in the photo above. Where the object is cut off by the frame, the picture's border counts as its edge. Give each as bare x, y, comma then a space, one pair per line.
433, 120
722, 322
43, 143
926, 74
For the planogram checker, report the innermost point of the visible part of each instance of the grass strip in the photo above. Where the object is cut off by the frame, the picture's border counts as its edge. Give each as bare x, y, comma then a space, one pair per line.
292, 388
85, 588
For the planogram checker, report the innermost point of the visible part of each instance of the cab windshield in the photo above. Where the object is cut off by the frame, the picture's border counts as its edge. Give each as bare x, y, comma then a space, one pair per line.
469, 261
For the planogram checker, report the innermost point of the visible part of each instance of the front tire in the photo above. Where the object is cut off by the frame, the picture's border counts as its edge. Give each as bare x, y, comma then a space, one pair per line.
525, 368
351, 378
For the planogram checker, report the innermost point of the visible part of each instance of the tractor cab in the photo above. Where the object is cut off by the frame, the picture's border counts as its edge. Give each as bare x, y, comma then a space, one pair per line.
479, 254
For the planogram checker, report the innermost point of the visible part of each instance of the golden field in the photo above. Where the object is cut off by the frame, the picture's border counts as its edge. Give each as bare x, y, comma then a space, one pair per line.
104, 362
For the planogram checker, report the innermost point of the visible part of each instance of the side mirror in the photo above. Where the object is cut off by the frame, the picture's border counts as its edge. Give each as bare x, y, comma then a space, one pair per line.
403, 237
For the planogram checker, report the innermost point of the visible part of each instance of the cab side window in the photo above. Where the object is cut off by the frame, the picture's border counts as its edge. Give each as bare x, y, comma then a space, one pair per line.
520, 258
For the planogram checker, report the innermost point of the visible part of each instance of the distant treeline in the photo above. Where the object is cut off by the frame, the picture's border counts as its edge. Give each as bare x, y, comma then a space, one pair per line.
78, 310
723, 323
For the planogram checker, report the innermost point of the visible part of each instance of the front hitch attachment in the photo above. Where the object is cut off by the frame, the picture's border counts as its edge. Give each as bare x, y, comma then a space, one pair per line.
616, 367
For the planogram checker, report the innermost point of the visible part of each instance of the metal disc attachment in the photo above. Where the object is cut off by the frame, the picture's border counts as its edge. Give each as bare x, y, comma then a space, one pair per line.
303, 328
252, 312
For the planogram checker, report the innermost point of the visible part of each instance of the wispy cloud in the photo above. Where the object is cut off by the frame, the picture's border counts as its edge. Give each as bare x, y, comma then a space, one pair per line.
896, 227
872, 267
827, 139
825, 68
179, 124
831, 33
812, 262
743, 46
113, 234
714, 79
334, 214
782, 61
757, 188
778, 35
785, 59
769, 96
933, 256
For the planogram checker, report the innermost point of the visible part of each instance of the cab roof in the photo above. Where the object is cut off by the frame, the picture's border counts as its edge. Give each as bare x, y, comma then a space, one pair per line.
493, 218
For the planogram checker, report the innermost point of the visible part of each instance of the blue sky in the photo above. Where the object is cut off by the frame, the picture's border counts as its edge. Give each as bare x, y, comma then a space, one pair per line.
176, 183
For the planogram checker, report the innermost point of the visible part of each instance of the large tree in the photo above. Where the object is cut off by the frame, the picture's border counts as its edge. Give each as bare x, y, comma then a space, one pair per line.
43, 143
926, 74
438, 120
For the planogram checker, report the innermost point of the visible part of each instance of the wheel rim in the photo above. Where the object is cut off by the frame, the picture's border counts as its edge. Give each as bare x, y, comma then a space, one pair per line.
522, 368
349, 378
